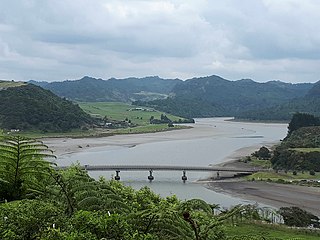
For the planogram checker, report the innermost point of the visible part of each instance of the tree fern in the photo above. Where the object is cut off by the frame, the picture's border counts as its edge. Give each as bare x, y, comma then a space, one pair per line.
22, 166
81, 192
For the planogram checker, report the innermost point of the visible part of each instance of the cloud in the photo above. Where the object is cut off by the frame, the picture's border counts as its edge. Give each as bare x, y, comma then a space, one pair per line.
66, 39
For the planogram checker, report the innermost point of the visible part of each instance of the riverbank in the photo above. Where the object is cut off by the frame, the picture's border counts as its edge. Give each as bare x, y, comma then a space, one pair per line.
210, 141
273, 194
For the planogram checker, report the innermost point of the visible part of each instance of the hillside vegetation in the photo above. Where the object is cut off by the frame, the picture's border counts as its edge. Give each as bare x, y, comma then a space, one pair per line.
29, 107
196, 97
299, 150
90, 89
310, 103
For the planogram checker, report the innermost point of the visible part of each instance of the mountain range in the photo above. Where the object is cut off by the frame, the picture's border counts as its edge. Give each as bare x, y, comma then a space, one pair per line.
197, 97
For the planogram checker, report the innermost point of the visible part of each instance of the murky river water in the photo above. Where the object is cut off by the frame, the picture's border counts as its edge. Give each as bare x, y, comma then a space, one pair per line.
211, 141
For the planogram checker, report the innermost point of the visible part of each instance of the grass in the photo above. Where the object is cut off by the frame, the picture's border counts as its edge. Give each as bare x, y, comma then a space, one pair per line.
121, 111
115, 111
270, 232
256, 162
282, 175
6, 84
306, 150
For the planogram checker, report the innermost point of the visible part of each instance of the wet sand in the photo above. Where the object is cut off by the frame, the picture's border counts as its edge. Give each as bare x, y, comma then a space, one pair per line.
273, 194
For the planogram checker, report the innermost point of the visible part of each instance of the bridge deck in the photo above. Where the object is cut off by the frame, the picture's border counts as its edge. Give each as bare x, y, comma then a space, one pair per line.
160, 168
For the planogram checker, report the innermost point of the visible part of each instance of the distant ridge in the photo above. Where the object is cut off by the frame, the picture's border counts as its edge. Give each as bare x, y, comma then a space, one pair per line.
196, 97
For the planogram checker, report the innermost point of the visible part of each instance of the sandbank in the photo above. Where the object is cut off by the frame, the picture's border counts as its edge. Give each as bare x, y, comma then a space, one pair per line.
273, 194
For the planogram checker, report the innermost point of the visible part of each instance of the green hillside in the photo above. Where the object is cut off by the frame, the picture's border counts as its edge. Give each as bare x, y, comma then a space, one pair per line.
310, 103
215, 96
196, 97
29, 107
300, 149
7, 84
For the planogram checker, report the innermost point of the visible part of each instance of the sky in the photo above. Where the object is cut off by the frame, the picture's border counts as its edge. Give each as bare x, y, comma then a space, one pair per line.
263, 40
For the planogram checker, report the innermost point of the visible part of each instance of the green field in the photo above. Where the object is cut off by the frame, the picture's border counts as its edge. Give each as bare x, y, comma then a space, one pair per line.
121, 111
268, 231
114, 111
282, 175
306, 150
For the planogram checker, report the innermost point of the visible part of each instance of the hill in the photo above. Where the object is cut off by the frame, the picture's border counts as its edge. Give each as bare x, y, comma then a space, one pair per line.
89, 89
300, 150
310, 103
215, 96
196, 97
29, 107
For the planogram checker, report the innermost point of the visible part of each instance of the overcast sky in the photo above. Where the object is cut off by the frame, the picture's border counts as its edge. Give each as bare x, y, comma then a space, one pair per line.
68, 39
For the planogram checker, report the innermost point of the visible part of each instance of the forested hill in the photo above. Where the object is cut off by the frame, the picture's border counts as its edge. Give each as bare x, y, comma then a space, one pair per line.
31, 107
121, 90
310, 103
215, 96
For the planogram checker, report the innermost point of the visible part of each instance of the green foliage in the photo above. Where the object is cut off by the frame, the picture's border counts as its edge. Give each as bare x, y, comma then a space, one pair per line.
22, 168
265, 231
298, 151
118, 111
30, 107
90, 89
184, 106
262, 153
300, 120
294, 216
72, 205
215, 96
75, 190
27, 219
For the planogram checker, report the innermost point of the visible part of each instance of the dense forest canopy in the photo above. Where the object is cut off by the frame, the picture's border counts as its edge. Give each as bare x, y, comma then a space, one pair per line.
300, 150
197, 97
31, 107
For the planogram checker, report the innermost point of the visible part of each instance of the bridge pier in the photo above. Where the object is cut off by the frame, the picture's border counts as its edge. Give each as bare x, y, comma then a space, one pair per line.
150, 177
184, 177
117, 177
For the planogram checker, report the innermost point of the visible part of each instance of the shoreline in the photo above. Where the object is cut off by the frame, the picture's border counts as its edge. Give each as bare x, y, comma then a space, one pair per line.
280, 195
272, 194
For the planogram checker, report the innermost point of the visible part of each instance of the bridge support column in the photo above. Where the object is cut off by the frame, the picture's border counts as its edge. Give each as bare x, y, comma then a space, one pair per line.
117, 177
150, 177
184, 176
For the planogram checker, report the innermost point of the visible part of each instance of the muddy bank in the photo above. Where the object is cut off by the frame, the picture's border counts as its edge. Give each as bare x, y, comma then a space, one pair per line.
273, 194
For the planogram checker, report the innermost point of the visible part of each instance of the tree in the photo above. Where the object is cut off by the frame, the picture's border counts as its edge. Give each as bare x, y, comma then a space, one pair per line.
22, 167
302, 120
262, 153
76, 190
294, 216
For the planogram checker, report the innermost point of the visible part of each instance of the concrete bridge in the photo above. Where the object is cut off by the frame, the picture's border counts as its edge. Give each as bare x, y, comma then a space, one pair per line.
151, 168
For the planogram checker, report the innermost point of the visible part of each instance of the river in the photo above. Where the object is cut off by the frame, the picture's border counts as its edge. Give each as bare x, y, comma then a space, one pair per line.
210, 141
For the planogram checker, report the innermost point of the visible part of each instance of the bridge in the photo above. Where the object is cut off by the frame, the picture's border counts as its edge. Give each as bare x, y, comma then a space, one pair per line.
151, 168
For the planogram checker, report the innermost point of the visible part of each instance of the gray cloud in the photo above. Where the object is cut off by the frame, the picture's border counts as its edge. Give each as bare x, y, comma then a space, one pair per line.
66, 39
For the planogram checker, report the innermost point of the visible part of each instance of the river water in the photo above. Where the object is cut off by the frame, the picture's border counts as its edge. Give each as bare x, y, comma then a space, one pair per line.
210, 141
